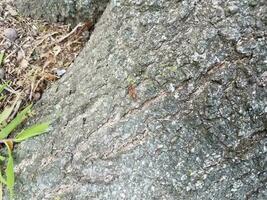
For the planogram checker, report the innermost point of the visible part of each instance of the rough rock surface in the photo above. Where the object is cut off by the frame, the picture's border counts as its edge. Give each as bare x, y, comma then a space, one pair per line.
167, 101
67, 11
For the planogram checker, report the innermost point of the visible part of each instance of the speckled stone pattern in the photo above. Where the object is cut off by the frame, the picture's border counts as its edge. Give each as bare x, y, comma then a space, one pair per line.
196, 129
67, 11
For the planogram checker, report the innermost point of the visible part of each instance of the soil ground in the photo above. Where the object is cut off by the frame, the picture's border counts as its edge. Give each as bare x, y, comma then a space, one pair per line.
34, 54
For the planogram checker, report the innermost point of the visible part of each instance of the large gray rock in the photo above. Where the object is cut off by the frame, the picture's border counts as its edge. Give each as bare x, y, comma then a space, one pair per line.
166, 101
67, 11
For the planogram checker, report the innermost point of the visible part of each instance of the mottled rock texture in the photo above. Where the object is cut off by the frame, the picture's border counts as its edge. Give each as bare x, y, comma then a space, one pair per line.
67, 11
167, 101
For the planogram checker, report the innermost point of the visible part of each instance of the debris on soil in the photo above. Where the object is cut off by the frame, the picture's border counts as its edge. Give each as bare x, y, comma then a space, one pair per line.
35, 53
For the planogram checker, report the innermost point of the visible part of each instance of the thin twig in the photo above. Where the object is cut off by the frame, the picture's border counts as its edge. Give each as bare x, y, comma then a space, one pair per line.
39, 43
11, 90
71, 33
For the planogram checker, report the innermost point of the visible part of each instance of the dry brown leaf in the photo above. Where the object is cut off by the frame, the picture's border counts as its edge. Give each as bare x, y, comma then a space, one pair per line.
10, 144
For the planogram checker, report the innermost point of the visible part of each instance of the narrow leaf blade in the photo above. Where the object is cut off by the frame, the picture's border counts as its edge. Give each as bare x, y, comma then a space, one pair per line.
21, 116
7, 112
33, 131
10, 177
1, 191
2, 181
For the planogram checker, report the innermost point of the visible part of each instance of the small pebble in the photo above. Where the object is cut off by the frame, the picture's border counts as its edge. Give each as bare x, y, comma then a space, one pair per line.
36, 96
7, 44
60, 72
11, 34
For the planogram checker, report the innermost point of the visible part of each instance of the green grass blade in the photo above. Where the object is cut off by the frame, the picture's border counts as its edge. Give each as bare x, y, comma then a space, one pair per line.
32, 131
10, 177
2, 180
1, 191
1, 58
21, 116
7, 112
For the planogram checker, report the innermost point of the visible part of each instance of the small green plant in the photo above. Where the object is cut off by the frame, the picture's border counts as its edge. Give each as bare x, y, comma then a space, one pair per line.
7, 126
